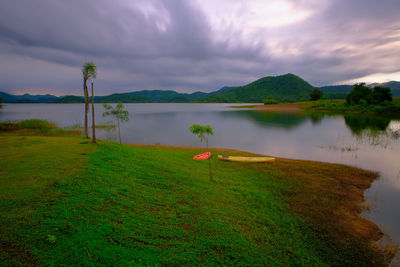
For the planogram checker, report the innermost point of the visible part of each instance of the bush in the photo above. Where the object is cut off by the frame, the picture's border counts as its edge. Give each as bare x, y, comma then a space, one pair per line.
380, 95
35, 127
360, 94
316, 94
35, 124
270, 100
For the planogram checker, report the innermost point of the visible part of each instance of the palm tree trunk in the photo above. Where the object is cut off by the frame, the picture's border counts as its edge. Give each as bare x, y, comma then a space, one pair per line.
119, 133
85, 90
93, 123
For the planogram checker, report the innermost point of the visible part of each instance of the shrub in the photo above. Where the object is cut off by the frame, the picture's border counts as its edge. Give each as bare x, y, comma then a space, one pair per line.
360, 94
36, 124
270, 100
316, 94
380, 95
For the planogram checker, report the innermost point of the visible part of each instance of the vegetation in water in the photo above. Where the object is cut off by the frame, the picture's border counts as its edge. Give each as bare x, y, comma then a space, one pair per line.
118, 113
35, 127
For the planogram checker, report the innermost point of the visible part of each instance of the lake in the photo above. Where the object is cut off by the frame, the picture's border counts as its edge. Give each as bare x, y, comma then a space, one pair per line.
368, 142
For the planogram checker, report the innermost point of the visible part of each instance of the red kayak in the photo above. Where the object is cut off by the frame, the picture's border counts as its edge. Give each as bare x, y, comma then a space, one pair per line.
205, 155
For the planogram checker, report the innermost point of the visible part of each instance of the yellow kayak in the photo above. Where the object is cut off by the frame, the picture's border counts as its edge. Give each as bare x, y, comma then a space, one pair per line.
246, 159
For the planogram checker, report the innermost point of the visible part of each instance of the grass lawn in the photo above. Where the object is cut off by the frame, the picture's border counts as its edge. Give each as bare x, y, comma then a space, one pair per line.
67, 202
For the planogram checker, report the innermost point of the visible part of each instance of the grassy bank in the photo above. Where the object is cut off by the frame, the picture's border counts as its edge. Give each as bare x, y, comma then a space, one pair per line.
392, 109
35, 127
334, 106
64, 201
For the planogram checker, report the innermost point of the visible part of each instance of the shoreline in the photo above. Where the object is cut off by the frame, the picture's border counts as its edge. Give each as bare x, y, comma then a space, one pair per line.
355, 223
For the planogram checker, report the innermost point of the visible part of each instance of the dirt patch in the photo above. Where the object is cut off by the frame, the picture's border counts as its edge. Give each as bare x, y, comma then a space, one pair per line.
285, 107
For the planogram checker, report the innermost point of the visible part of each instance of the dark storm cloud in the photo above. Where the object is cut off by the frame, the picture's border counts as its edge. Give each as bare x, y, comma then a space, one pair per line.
173, 44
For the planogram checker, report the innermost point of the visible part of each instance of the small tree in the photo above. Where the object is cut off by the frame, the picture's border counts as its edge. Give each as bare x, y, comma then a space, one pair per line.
119, 113
316, 94
202, 133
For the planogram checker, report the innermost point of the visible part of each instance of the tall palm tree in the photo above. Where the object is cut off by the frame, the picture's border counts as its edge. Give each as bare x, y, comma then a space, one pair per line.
89, 72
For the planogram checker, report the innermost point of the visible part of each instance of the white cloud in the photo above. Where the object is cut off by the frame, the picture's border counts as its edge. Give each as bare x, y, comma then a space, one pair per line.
375, 77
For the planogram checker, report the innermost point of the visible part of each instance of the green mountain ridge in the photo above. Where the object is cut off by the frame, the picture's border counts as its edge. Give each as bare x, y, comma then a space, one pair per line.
288, 87
284, 88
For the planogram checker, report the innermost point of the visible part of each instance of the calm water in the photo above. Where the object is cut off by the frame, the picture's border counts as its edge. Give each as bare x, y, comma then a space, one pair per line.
368, 142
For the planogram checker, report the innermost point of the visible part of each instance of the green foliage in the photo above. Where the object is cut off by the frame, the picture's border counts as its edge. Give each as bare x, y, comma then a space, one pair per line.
1, 100
385, 108
89, 71
36, 124
362, 95
270, 100
74, 203
316, 94
201, 131
381, 95
35, 127
117, 112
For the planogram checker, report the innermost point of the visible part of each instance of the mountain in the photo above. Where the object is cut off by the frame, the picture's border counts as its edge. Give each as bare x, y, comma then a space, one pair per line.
288, 87
145, 96
336, 91
68, 99
26, 98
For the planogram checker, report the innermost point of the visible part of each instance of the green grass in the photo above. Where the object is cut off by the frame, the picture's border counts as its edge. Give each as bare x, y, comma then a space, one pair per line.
35, 127
68, 202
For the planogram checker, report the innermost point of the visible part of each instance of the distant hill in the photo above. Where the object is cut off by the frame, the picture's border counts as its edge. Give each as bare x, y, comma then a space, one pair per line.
288, 87
393, 85
68, 99
146, 96
26, 98
336, 91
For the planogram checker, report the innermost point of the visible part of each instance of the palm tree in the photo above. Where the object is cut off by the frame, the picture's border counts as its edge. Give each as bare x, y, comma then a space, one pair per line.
89, 72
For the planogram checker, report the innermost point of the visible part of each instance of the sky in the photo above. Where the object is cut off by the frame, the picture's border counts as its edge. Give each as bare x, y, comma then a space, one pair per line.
194, 45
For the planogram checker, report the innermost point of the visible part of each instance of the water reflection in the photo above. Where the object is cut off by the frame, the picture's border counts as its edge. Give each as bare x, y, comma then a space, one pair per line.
269, 119
359, 123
